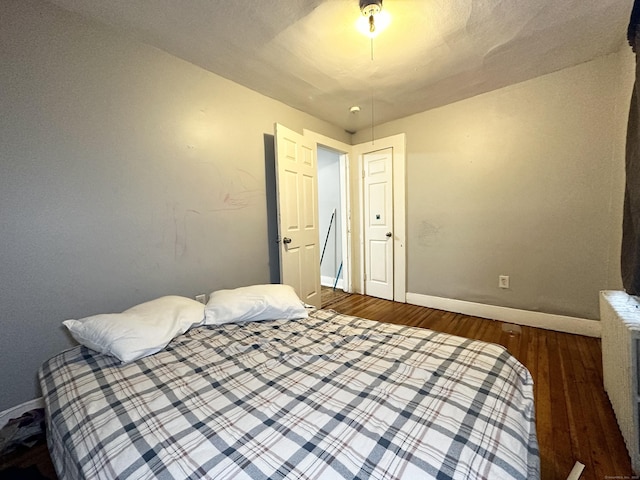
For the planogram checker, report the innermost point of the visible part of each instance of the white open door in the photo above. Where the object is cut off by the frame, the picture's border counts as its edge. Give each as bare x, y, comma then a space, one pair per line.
297, 191
378, 223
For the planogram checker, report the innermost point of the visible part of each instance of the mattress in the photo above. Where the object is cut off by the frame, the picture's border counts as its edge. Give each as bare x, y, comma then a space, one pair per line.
331, 396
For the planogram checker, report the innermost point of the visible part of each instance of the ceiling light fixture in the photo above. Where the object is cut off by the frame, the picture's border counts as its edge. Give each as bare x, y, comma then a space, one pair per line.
370, 9
373, 20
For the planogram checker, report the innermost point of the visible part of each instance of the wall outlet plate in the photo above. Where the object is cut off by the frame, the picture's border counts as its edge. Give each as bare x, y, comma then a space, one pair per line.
503, 281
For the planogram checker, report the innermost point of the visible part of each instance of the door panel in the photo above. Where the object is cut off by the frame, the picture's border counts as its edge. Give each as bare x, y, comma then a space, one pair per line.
296, 180
378, 250
377, 198
378, 212
290, 204
310, 196
310, 286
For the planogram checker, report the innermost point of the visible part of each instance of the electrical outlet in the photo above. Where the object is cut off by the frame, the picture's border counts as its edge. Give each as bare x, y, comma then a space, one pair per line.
202, 298
503, 281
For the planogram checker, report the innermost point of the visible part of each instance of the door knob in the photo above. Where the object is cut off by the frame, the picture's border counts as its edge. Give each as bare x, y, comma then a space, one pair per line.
286, 240
389, 234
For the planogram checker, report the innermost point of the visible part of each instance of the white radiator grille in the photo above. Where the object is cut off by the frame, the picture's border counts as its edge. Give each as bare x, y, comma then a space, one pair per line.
620, 316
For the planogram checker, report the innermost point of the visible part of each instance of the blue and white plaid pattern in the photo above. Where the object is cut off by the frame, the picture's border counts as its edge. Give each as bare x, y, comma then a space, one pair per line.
331, 396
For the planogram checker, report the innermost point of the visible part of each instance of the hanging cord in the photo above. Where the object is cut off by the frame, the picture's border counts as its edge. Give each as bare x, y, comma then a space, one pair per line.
373, 137
372, 49
372, 99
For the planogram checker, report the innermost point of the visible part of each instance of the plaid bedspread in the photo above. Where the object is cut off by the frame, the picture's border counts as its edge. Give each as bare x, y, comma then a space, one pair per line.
328, 397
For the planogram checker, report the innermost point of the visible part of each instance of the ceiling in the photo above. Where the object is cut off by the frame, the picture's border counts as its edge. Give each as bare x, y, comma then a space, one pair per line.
309, 55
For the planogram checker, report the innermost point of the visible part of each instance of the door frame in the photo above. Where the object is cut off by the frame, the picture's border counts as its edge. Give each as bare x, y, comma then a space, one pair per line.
397, 144
344, 150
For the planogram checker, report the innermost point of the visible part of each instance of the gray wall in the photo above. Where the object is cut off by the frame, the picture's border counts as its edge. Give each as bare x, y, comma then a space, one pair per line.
525, 181
125, 174
328, 199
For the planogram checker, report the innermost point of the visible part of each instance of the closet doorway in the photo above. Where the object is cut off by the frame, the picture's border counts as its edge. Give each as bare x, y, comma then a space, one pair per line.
332, 218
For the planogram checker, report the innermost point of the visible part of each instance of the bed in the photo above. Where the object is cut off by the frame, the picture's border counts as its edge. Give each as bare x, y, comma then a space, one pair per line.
323, 397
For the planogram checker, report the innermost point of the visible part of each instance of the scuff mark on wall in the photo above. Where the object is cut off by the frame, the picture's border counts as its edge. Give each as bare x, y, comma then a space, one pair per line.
241, 190
428, 234
180, 231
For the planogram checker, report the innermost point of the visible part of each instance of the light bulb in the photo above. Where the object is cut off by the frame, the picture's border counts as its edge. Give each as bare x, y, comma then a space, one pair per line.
372, 25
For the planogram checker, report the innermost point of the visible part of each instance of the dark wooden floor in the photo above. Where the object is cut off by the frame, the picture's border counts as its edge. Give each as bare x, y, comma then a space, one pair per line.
574, 417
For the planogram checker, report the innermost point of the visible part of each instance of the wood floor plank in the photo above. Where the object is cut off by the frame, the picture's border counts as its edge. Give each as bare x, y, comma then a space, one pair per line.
523, 352
548, 463
563, 455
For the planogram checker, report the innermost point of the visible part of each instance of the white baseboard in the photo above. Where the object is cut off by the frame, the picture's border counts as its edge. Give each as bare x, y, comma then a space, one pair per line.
18, 410
548, 321
328, 282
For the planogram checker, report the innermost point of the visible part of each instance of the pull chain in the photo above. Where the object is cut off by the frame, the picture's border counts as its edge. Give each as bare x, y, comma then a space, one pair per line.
372, 99
372, 122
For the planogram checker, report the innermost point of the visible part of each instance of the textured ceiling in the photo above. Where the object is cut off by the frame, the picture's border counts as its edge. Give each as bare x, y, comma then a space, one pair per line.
309, 55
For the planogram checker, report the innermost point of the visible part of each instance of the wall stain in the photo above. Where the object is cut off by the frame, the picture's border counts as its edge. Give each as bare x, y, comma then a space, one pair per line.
428, 234
241, 191
180, 231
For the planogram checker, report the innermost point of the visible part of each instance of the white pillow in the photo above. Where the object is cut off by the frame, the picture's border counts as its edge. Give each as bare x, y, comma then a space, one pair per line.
139, 331
257, 302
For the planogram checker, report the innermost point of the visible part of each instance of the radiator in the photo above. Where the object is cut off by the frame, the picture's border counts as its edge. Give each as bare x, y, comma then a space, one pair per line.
620, 317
